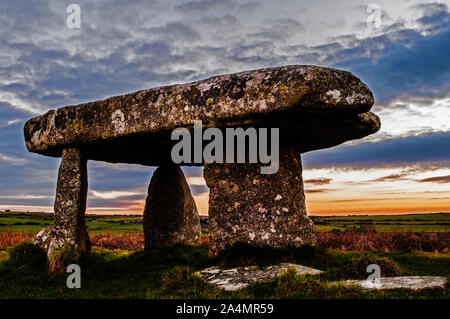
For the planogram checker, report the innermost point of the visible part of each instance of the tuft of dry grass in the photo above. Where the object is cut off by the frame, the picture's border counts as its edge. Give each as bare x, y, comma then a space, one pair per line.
61, 258
172, 278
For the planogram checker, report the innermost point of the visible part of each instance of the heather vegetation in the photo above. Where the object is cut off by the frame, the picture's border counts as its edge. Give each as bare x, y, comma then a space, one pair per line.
348, 240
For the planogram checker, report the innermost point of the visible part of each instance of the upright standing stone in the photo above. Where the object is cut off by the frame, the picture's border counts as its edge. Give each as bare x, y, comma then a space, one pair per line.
262, 209
68, 228
170, 214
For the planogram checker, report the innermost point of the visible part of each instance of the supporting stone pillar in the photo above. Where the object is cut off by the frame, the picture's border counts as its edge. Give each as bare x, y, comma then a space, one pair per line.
68, 228
262, 209
170, 213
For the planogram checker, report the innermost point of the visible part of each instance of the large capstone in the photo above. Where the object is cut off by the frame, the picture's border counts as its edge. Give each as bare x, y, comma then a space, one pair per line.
314, 108
170, 214
68, 228
261, 209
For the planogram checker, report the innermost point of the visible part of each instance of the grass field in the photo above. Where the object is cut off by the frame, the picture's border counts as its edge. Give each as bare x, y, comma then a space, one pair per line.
117, 267
170, 273
439, 222
33, 222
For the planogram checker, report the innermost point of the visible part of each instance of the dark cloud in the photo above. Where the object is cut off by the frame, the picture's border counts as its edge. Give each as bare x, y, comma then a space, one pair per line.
392, 177
368, 199
9, 112
249, 7
206, 5
387, 178
255, 52
113, 203
105, 179
424, 148
418, 67
227, 22
199, 189
190, 171
36, 177
122, 198
175, 31
318, 181
313, 191
435, 15
278, 30
26, 201
28, 15
436, 179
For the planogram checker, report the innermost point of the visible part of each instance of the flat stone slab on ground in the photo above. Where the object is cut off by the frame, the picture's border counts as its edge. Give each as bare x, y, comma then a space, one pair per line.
410, 282
240, 277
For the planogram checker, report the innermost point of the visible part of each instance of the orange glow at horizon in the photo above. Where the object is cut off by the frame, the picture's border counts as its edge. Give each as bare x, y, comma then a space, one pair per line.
318, 204
368, 191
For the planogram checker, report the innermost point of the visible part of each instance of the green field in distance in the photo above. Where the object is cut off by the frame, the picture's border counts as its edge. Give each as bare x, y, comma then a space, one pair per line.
32, 222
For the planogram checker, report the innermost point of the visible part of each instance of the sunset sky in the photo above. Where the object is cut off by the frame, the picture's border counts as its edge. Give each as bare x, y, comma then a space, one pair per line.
125, 46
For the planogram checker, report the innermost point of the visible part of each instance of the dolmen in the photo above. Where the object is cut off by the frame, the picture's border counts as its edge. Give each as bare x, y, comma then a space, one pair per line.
305, 107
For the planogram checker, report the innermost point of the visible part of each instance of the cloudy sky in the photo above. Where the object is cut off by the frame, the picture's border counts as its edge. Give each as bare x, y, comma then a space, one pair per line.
127, 45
